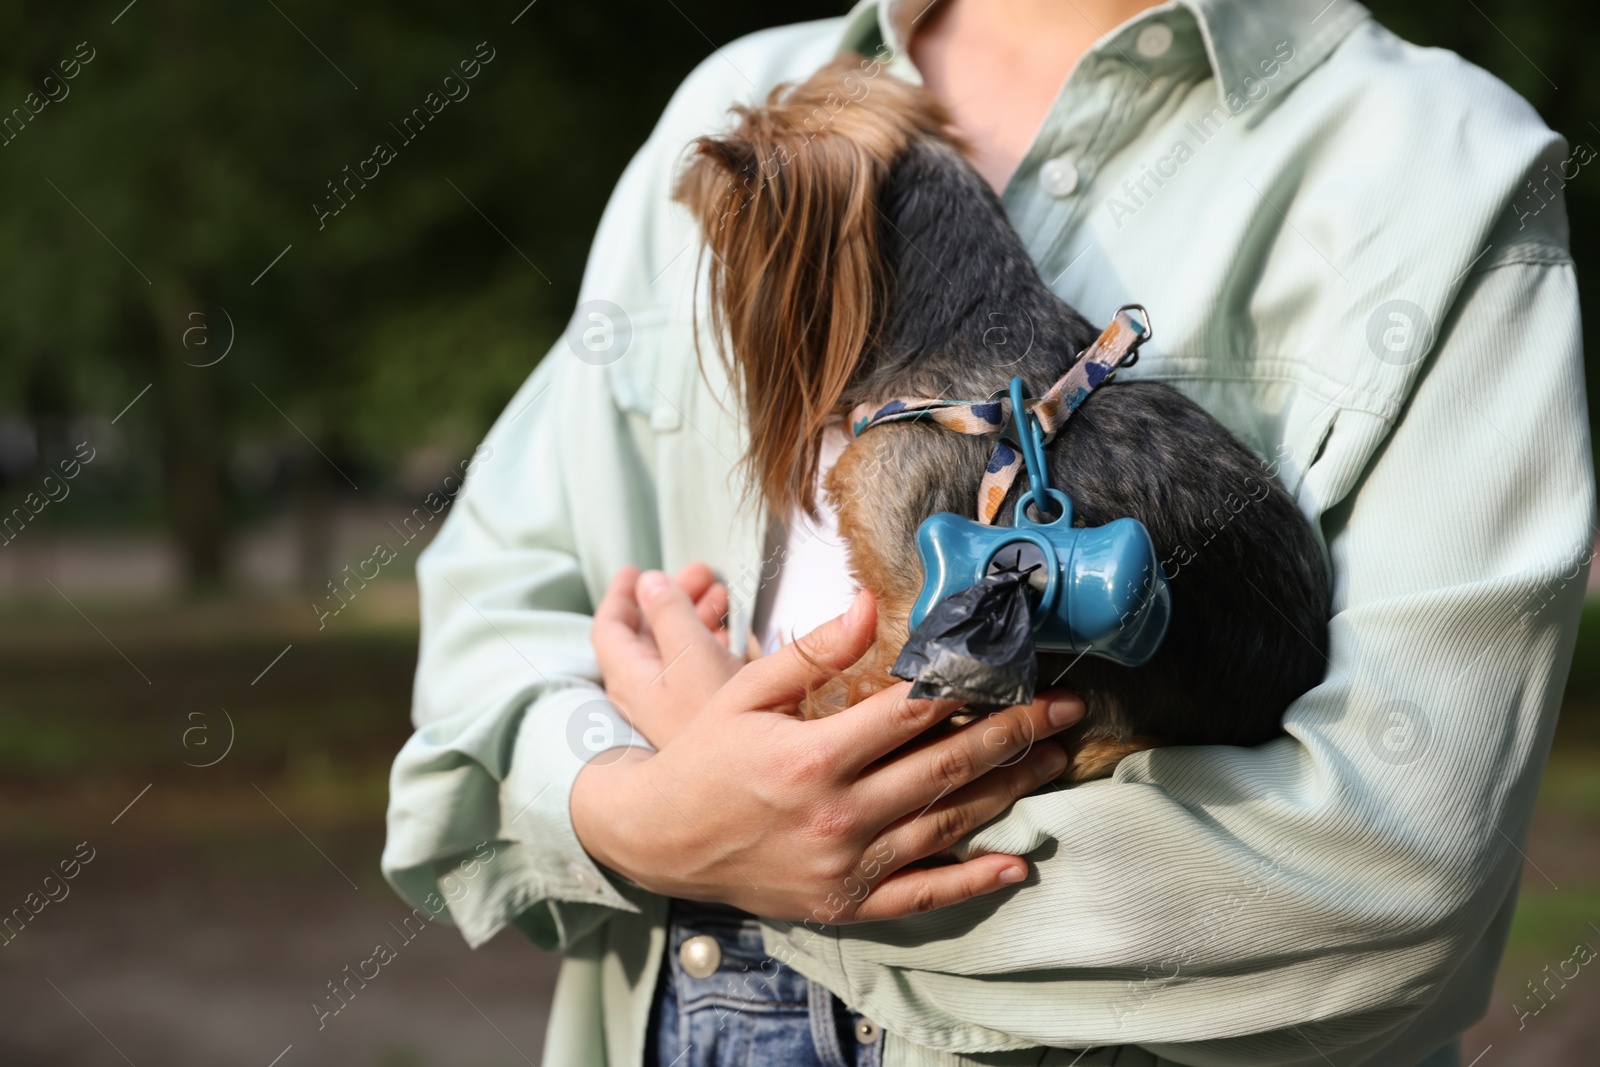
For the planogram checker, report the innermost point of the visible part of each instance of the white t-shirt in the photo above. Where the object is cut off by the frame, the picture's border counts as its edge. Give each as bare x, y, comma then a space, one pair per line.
813, 582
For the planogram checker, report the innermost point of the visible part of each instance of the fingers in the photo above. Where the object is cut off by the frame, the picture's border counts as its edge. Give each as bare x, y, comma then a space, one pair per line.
872, 728
943, 765
696, 579
709, 595
951, 818
673, 616
783, 678
619, 603
915, 890
713, 610
618, 644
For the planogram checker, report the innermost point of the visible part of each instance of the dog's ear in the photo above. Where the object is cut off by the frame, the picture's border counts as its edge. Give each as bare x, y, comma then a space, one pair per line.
787, 205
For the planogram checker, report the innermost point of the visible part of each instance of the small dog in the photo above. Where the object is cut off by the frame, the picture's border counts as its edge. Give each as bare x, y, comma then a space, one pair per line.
857, 258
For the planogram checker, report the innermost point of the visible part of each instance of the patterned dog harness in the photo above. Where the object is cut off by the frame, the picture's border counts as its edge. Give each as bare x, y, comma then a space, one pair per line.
1117, 346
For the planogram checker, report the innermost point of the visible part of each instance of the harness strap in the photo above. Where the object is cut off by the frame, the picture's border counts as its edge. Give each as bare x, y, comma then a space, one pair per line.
1117, 346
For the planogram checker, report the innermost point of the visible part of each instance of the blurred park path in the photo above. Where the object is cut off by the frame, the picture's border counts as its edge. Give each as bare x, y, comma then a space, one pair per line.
212, 954
225, 764
265, 557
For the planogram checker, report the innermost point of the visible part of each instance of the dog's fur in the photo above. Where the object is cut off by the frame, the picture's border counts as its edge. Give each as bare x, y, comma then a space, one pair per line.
857, 257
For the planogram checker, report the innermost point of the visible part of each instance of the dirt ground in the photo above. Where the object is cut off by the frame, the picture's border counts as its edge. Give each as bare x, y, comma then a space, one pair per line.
169, 956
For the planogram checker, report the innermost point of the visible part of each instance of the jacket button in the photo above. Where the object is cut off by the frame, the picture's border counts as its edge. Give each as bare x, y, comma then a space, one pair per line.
1154, 40
1058, 177
584, 878
868, 1032
700, 956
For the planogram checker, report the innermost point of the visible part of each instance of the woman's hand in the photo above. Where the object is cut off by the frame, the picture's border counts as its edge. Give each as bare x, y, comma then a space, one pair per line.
753, 806
662, 646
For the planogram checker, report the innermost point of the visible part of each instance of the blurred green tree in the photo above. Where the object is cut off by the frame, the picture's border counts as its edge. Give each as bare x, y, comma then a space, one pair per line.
142, 209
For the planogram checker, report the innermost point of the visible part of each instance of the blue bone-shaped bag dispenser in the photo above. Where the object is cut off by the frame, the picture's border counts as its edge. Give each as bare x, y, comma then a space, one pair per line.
1095, 590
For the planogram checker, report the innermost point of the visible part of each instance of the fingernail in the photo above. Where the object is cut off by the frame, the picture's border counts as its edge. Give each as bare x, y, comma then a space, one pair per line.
1053, 762
651, 583
1064, 711
1012, 875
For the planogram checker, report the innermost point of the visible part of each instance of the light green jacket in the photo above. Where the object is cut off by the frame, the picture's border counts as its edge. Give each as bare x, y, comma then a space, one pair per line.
1354, 254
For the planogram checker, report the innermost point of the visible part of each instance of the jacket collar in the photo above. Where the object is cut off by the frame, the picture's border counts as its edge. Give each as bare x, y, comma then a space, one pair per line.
1234, 37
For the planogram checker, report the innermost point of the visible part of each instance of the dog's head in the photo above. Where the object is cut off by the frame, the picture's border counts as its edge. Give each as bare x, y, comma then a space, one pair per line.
787, 205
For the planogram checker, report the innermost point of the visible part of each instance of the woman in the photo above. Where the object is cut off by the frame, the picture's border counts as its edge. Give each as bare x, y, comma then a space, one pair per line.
1331, 229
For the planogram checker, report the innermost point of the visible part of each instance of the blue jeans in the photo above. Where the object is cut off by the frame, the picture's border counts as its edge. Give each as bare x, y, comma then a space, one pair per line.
752, 1010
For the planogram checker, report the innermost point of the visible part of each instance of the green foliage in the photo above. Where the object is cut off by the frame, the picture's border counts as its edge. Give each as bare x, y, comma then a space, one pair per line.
200, 141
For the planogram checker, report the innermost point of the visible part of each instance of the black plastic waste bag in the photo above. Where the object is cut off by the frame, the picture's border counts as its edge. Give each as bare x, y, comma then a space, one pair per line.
975, 645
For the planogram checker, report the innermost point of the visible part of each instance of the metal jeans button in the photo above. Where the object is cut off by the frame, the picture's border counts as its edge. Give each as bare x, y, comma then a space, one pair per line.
700, 956
868, 1032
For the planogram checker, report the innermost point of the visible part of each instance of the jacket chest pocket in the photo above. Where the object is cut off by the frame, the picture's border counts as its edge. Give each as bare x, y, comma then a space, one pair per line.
646, 368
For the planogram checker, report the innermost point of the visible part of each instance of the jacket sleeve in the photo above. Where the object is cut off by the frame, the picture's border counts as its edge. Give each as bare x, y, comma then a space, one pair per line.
1252, 906
506, 703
